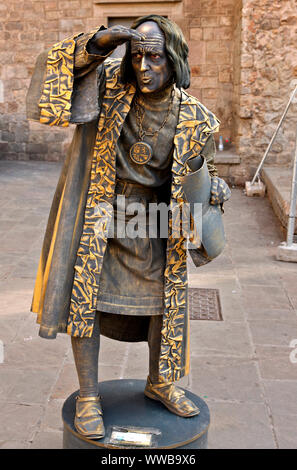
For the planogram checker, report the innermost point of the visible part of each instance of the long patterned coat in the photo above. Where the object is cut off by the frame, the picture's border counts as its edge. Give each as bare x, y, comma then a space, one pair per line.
68, 278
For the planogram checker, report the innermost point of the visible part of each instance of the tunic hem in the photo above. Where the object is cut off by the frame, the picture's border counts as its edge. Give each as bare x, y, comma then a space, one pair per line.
124, 305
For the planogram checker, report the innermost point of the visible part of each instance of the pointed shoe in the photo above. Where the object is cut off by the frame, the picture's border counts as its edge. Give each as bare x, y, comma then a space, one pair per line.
172, 397
88, 417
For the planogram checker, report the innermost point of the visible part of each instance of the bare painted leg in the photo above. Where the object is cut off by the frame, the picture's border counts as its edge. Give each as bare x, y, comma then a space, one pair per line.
154, 343
86, 352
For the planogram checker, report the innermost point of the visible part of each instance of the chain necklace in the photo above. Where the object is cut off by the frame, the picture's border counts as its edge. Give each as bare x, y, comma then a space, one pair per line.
141, 152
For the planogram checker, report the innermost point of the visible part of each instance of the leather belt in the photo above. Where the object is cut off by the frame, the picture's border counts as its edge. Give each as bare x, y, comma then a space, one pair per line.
133, 189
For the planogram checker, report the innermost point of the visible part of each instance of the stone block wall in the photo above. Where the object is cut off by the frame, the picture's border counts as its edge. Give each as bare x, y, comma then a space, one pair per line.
26, 29
29, 26
209, 29
264, 82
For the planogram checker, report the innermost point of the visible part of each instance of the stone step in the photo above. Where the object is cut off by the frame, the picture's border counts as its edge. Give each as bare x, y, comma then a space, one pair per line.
228, 166
278, 182
227, 157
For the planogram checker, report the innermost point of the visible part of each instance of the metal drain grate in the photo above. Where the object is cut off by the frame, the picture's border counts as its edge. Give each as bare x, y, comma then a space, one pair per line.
204, 304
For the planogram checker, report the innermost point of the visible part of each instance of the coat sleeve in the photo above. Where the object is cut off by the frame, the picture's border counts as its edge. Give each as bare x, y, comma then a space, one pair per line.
207, 240
209, 152
196, 189
66, 82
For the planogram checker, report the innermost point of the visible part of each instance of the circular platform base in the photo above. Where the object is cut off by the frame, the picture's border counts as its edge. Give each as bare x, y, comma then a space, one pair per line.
124, 404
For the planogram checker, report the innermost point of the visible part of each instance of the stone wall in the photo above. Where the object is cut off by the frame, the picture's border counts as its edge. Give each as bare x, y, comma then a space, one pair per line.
236, 68
209, 25
268, 71
28, 27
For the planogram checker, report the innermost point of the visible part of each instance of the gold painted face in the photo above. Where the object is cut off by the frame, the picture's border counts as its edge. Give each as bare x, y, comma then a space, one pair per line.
149, 59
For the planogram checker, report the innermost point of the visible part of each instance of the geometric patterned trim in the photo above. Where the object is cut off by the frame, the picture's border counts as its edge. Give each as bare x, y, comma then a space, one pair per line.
55, 101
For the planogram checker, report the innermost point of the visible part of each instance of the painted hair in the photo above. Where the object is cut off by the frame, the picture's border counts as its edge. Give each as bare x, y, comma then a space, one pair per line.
175, 46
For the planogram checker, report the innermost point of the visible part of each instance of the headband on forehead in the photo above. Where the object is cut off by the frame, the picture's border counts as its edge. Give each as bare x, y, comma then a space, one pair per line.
151, 37
156, 38
156, 41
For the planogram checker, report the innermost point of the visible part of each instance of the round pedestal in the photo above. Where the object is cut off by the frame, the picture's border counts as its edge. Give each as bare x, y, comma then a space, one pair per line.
124, 404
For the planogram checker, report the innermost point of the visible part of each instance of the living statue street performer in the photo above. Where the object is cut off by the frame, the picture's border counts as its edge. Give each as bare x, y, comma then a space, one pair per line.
140, 136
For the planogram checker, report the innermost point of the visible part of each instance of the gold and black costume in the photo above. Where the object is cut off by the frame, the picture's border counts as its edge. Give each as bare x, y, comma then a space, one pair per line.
80, 269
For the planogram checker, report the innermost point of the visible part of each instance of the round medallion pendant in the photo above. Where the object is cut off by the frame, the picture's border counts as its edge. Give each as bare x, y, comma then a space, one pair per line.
141, 153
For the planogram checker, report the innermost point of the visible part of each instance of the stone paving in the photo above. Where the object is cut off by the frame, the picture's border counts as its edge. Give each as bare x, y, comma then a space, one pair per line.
240, 366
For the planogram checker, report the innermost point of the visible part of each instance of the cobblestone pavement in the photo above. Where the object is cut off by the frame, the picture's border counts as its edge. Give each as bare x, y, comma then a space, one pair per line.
241, 366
